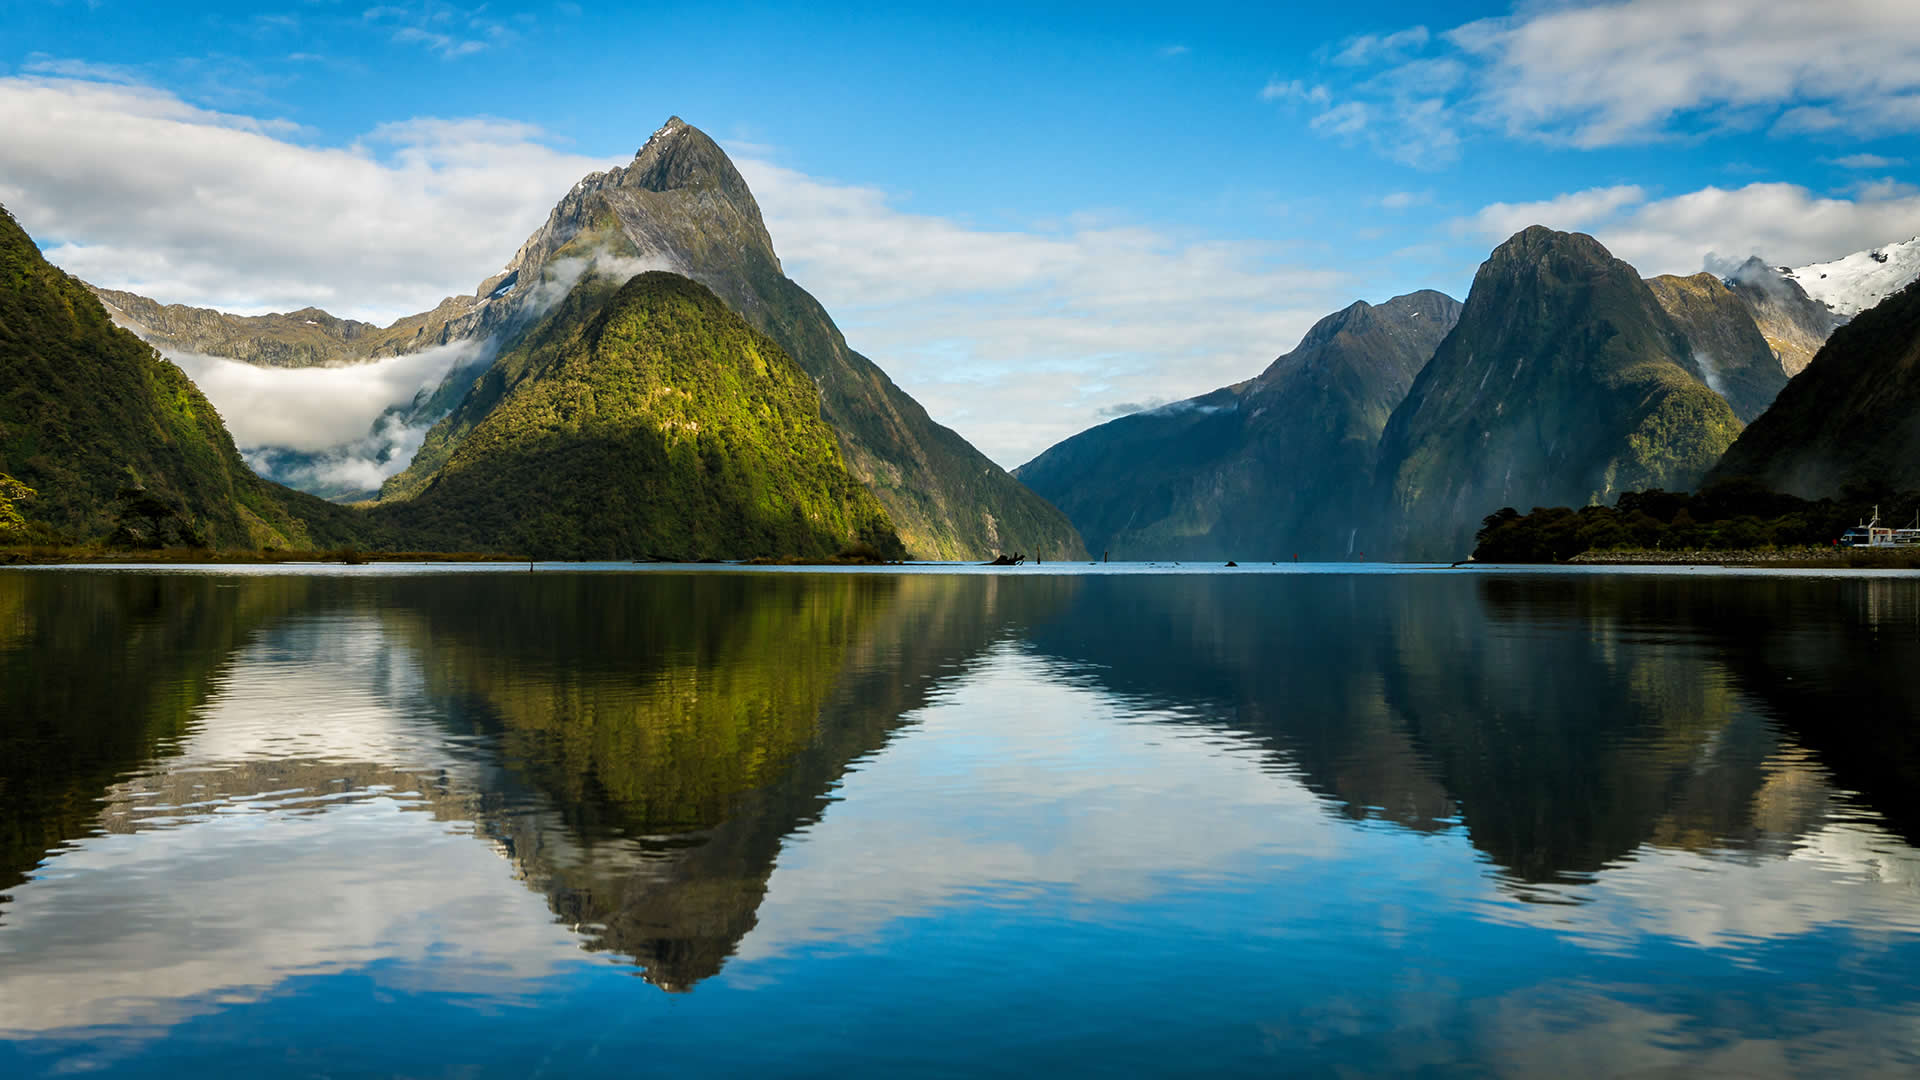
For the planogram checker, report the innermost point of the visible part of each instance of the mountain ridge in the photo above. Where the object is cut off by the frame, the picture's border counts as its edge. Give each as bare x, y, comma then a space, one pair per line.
1271, 467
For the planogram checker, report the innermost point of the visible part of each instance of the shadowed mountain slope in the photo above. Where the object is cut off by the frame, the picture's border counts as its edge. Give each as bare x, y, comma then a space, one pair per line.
1268, 468
1563, 383
1793, 323
1850, 420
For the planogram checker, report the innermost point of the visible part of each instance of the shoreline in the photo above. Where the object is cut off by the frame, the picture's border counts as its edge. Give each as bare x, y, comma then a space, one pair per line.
210, 557
1801, 558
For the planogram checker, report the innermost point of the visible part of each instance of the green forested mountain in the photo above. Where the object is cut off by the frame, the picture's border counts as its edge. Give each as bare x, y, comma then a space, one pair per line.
1275, 466
1564, 383
1851, 420
88, 411
641, 420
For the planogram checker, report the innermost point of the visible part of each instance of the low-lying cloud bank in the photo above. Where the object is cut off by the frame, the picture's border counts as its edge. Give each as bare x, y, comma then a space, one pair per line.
329, 428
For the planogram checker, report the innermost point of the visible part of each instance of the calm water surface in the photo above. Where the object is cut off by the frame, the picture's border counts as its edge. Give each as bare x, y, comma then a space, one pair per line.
434, 823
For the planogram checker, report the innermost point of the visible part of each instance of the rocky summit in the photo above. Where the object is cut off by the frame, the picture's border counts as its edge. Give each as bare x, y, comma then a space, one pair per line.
680, 205
1564, 383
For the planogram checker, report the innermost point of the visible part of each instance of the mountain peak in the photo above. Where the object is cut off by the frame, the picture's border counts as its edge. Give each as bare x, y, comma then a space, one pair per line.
1536, 242
668, 130
680, 155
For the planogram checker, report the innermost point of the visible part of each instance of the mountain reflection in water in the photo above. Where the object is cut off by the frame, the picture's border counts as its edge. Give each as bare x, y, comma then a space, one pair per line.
1383, 821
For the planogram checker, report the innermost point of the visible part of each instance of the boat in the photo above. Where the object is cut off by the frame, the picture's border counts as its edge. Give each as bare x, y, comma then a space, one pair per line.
1871, 533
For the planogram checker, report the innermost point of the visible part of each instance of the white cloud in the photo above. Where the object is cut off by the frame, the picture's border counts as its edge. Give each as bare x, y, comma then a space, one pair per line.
1866, 161
1295, 91
139, 190
1598, 75
331, 427
1573, 212
1379, 48
442, 28
1403, 200
1785, 224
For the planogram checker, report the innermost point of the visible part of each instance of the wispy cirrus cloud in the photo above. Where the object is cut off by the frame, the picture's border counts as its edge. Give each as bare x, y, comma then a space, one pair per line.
445, 29
1590, 75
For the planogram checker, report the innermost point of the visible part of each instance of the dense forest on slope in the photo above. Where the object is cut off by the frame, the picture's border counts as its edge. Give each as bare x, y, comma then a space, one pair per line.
1275, 466
1730, 517
646, 421
112, 437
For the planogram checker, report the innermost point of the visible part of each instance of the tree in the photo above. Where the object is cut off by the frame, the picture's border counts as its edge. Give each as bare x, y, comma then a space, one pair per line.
13, 527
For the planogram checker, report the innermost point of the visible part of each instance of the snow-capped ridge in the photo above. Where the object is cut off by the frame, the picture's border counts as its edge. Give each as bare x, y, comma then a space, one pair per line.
1853, 283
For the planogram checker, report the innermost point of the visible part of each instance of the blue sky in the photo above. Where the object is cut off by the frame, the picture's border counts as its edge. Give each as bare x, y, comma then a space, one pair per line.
1034, 217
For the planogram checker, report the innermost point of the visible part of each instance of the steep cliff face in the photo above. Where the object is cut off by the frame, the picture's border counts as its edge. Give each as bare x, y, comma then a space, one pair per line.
1850, 420
643, 420
1266, 469
1563, 383
1726, 345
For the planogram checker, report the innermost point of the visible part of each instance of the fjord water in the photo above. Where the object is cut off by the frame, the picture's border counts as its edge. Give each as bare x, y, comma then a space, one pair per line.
424, 823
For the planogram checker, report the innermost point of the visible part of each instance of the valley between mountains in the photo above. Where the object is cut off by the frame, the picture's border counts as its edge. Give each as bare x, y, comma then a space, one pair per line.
641, 380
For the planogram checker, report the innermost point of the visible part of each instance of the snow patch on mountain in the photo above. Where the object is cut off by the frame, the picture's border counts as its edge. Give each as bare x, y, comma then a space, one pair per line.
1851, 285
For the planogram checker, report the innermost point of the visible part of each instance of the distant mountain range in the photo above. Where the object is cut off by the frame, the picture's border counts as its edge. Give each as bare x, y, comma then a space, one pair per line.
1391, 431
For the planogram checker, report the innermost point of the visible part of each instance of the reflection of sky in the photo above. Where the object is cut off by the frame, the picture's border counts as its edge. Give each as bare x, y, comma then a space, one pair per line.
1033, 873
147, 928
331, 688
